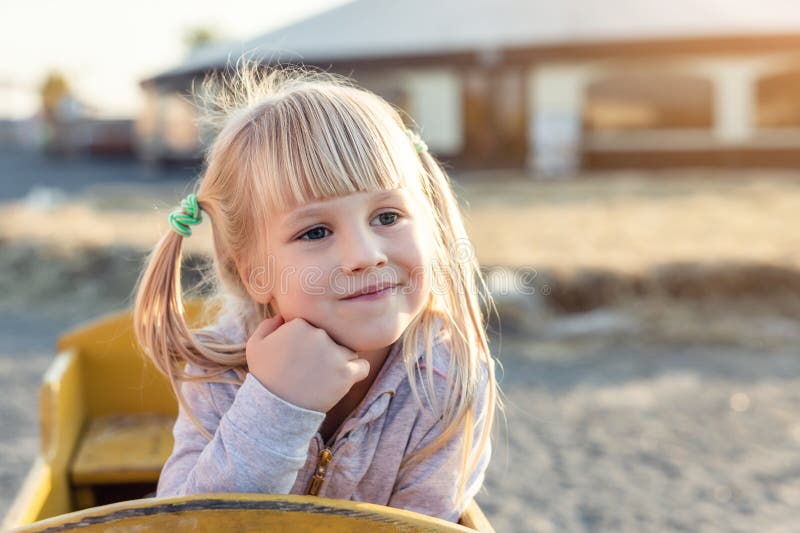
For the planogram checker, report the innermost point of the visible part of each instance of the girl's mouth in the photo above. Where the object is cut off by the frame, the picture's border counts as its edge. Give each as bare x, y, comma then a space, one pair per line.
370, 296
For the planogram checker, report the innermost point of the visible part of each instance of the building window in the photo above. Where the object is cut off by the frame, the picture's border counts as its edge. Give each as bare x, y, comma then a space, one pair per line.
630, 101
777, 101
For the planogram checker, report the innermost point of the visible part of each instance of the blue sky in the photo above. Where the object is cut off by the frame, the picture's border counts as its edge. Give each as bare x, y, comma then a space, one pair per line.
105, 47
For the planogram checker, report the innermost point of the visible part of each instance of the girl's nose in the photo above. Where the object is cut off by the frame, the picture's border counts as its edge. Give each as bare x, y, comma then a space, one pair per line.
361, 251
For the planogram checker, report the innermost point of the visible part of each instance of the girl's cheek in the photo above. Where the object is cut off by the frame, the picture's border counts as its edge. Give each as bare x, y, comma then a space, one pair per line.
420, 276
423, 243
423, 251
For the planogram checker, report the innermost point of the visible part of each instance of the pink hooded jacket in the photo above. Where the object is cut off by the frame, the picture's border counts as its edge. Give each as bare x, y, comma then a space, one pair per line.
264, 444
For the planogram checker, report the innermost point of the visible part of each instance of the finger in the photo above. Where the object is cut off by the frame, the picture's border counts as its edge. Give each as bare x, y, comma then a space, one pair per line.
331, 340
267, 326
309, 325
359, 369
349, 355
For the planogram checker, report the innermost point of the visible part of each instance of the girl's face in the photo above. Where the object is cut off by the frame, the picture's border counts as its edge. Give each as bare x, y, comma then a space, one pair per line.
325, 253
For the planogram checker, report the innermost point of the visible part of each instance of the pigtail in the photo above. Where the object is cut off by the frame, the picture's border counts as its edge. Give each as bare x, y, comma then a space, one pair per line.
161, 329
465, 293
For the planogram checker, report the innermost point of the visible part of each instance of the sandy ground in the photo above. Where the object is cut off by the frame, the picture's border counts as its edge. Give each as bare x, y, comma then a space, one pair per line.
616, 436
644, 414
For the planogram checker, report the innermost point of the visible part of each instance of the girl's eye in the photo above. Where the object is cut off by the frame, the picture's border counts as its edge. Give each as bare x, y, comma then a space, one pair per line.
388, 217
314, 234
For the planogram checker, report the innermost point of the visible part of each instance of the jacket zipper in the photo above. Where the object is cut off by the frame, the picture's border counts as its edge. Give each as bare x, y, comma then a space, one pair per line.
325, 456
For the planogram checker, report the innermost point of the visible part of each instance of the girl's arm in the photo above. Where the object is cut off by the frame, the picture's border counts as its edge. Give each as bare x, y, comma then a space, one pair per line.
431, 486
259, 444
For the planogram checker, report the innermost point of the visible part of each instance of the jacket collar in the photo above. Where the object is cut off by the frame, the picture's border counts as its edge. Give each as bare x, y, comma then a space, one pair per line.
389, 378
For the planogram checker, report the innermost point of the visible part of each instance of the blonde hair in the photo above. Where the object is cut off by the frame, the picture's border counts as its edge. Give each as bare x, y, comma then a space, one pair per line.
323, 137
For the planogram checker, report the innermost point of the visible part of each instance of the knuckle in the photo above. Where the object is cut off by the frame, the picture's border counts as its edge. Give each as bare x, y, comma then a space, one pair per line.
295, 325
302, 324
341, 353
344, 371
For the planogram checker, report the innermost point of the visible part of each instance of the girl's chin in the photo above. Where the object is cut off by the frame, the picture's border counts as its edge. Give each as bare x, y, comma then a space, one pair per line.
368, 346
369, 341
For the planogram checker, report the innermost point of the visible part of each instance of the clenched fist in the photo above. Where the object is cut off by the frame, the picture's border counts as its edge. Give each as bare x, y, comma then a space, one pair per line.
301, 364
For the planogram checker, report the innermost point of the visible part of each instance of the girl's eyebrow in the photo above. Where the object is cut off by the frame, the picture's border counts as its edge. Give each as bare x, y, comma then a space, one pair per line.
315, 210
307, 212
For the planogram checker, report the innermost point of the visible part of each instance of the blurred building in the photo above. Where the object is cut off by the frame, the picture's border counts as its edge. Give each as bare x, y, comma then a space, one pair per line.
74, 129
546, 86
63, 124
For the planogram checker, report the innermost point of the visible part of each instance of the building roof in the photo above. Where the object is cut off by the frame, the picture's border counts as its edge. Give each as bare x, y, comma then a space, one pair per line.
373, 29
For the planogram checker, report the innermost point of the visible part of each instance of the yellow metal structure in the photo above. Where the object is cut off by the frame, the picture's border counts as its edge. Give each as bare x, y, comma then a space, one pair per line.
213, 513
106, 416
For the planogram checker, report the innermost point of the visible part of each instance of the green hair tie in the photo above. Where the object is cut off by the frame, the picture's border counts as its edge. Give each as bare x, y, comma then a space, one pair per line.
419, 144
188, 215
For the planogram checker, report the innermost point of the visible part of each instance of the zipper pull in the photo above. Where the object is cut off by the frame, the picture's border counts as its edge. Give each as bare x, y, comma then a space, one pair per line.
325, 457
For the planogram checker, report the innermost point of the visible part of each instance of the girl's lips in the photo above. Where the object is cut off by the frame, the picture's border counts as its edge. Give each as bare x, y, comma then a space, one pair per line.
371, 296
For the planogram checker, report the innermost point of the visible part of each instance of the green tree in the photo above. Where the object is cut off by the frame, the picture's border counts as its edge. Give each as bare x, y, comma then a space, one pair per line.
199, 36
53, 89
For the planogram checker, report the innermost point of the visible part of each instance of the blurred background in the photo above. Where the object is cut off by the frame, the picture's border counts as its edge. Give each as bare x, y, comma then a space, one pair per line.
629, 174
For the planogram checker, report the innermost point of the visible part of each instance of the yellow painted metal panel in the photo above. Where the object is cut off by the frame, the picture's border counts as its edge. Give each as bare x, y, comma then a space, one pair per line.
246, 513
119, 378
62, 413
123, 449
46, 490
31, 498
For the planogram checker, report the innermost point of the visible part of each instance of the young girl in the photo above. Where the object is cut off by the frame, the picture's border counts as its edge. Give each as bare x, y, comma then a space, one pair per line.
349, 358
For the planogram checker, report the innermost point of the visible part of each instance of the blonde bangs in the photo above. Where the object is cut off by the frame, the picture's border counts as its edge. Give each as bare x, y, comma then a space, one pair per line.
319, 144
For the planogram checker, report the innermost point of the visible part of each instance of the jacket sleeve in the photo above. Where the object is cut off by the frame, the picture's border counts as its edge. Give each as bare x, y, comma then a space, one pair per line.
430, 487
259, 444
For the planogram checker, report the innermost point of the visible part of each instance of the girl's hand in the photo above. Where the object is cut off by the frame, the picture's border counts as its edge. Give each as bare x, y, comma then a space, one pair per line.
301, 364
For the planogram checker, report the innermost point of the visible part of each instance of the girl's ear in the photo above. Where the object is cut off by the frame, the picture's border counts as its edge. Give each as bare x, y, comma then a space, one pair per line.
258, 286
257, 282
